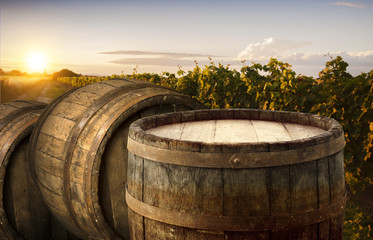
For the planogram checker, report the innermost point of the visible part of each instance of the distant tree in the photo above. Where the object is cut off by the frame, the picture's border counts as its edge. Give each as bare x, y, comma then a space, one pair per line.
2, 73
64, 73
15, 73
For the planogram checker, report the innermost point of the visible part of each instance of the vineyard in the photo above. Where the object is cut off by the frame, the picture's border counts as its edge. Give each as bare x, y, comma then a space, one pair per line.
275, 86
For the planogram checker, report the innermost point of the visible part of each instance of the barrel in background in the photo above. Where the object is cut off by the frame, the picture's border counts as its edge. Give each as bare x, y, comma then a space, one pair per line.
23, 214
236, 174
80, 156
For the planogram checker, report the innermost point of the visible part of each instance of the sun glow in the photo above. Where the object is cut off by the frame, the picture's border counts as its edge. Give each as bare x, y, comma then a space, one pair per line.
37, 62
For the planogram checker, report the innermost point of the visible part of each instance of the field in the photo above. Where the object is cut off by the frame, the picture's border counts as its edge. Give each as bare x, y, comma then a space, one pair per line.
41, 89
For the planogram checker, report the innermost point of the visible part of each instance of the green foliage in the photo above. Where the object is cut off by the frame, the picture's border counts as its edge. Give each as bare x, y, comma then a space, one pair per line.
358, 224
81, 81
349, 100
276, 86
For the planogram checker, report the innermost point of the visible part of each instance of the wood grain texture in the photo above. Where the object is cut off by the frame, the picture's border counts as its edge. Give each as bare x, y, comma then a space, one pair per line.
303, 181
23, 214
135, 186
287, 192
25, 197
235, 131
196, 190
245, 192
280, 190
80, 155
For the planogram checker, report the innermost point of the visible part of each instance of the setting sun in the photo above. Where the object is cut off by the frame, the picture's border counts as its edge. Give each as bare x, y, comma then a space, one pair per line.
37, 62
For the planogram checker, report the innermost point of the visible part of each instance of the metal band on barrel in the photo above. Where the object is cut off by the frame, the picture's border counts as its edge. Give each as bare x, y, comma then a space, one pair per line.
231, 223
236, 160
16, 114
80, 124
139, 100
15, 134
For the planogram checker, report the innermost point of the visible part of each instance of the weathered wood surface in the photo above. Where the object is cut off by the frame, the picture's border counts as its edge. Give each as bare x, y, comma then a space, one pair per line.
288, 193
23, 214
79, 150
235, 131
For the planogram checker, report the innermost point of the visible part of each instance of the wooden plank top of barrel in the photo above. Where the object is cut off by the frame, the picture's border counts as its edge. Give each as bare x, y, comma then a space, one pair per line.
80, 156
226, 174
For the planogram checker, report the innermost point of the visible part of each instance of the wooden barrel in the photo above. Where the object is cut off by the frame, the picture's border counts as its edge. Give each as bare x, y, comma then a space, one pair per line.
236, 174
80, 156
23, 214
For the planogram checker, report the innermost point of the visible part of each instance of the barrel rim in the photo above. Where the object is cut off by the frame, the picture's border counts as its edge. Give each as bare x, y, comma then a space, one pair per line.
235, 155
137, 131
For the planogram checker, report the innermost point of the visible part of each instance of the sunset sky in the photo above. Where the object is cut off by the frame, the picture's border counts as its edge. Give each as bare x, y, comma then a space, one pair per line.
115, 36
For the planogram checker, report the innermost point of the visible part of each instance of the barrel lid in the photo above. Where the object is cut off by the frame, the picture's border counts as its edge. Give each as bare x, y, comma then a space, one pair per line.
298, 136
235, 131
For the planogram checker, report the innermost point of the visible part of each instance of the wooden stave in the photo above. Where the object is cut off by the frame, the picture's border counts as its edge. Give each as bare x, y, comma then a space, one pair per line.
95, 166
164, 96
332, 226
19, 123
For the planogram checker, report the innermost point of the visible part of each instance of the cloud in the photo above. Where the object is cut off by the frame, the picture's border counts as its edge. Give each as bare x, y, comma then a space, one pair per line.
153, 61
270, 48
355, 59
361, 54
312, 63
292, 52
348, 4
164, 59
361, 59
172, 62
308, 63
160, 54
287, 50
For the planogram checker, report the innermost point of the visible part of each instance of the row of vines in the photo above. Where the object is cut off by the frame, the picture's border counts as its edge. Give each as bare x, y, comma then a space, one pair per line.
335, 93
